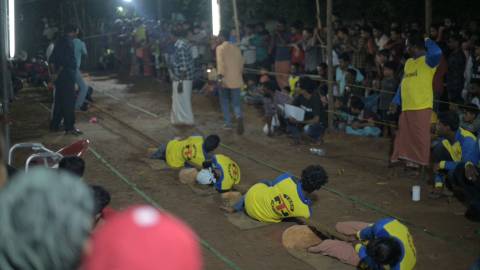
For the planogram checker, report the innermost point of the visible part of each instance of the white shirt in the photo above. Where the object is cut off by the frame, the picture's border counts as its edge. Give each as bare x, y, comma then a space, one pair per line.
248, 51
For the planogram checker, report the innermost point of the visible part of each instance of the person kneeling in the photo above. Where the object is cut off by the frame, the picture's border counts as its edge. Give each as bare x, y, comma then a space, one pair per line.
282, 198
387, 242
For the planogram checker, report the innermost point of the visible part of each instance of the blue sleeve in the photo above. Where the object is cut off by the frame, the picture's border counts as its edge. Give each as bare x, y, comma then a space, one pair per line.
397, 99
364, 258
434, 53
359, 77
468, 151
450, 165
367, 233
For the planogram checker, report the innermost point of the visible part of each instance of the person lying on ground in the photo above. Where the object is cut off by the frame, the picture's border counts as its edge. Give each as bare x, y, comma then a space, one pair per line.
72, 164
221, 171
192, 151
363, 122
386, 244
470, 120
457, 163
143, 237
314, 121
282, 198
102, 210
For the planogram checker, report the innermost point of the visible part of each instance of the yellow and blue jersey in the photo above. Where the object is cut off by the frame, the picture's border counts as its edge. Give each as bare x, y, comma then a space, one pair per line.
276, 200
189, 150
416, 90
464, 150
230, 173
389, 227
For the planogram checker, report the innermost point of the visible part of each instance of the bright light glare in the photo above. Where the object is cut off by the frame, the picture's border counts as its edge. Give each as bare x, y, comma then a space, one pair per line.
128, 1
11, 28
215, 17
120, 9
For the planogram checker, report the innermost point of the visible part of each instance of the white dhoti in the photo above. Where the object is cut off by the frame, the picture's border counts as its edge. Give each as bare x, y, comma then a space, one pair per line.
182, 104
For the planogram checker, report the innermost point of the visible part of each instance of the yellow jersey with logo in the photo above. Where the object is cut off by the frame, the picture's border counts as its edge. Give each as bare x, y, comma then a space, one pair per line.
417, 85
230, 172
272, 202
389, 227
180, 151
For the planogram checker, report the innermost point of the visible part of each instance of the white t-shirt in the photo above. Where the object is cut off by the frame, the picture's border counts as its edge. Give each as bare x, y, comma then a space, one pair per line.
248, 51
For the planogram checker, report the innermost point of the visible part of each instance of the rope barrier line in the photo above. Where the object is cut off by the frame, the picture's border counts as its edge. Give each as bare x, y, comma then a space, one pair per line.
152, 202
320, 79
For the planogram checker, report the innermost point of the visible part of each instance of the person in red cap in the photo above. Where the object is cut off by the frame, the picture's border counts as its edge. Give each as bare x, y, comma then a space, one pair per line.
143, 238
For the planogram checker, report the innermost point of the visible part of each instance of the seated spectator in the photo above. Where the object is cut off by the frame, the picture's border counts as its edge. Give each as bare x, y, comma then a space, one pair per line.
386, 244
314, 121
273, 99
470, 120
363, 122
72, 164
142, 237
46, 218
352, 87
458, 157
293, 80
389, 86
192, 151
341, 74
341, 116
101, 201
282, 198
221, 171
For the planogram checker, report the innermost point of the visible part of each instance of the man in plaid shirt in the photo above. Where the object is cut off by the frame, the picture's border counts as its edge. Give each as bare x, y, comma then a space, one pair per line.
182, 78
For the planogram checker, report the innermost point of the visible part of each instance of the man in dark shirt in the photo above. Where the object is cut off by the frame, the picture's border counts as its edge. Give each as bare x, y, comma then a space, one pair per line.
456, 69
63, 65
315, 118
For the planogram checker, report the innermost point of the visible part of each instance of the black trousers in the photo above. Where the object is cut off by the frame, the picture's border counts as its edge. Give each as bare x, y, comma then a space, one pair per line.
64, 102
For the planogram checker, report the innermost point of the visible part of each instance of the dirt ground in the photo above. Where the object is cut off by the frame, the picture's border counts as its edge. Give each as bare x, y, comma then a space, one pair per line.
361, 187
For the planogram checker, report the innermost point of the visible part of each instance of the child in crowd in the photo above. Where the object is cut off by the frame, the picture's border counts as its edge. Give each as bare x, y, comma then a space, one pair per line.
470, 120
294, 79
389, 86
72, 164
282, 198
363, 121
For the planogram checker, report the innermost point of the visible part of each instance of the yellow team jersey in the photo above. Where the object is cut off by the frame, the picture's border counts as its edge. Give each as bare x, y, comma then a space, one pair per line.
230, 172
292, 82
180, 151
417, 85
283, 199
390, 227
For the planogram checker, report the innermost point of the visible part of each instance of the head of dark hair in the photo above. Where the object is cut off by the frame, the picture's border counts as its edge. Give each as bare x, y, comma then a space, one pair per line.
323, 65
211, 142
449, 119
313, 178
101, 198
352, 72
471, 108
179, 32
270, 85
384, 250
297, 25
72, 164
417, 41
307, 84
345, 57
225, 34
71, 28
356, 103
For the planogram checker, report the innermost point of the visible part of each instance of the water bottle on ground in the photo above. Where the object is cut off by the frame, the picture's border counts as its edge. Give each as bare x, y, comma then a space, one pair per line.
318, 151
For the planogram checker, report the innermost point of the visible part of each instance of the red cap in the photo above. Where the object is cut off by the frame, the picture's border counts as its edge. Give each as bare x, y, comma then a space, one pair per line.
143, 238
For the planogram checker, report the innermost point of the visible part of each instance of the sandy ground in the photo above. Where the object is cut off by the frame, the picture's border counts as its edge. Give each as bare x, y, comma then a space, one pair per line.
361, 186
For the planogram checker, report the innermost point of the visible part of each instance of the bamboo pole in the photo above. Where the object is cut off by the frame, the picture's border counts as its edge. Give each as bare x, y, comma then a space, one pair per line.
330, 62
237, 23
319, 20
428, 15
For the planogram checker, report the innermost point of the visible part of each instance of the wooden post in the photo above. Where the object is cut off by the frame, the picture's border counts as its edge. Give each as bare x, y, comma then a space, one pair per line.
330, 62
428, 15
237, 23
319, 20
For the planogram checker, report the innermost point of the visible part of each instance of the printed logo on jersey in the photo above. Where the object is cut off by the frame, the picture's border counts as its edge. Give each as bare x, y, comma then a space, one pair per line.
189, 151
283, 205
234, 171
